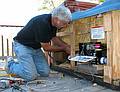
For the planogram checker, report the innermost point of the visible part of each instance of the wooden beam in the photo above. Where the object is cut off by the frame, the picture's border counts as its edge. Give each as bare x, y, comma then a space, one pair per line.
7, 47
116, 46
2, 45
66, 33
108, 28
112, 26
72, 38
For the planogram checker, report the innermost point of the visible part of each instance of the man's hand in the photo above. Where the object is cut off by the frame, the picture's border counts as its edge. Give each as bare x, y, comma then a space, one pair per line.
60, 46
57, 41
68, 49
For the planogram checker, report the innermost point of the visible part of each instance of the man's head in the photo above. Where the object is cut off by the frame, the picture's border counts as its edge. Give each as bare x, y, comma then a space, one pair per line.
61, 16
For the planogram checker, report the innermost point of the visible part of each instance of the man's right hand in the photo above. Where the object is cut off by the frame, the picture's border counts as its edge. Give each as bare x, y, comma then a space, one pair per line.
68, 50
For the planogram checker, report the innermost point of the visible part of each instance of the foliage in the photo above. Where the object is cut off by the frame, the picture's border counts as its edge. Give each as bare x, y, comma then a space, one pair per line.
102, 0
50, 4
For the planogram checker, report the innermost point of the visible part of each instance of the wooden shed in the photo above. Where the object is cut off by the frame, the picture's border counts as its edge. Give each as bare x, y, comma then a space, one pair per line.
80, 32
107, 26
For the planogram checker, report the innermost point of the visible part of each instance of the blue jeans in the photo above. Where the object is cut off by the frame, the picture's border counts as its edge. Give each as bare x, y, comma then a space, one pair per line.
31, 62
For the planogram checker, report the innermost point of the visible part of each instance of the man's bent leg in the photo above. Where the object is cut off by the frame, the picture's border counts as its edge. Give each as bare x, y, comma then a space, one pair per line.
41, 63
25, 66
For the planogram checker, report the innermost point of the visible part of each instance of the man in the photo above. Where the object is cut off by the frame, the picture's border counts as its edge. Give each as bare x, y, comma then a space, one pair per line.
38, 32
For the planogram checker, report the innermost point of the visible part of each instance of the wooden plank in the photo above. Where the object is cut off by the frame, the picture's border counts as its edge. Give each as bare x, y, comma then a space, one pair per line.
107, 74
66, 33
2, 45
107, 21
116, 45
12, 50
93, 21
112, 26
72, 38
7, 47
108, 68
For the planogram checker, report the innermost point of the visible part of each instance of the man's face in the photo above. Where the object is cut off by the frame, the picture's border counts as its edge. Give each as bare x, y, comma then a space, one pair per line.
60, 23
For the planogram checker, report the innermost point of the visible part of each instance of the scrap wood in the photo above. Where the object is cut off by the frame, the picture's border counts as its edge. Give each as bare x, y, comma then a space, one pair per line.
7, 75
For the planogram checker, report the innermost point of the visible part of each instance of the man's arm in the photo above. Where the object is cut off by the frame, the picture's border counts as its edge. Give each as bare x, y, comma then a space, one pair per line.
57, 41
60, 46
48, 47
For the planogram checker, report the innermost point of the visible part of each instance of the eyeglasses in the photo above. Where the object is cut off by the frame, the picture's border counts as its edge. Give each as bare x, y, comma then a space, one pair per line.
63, 24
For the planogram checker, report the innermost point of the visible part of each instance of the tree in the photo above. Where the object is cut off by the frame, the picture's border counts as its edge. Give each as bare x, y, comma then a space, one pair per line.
50, 4
102, 0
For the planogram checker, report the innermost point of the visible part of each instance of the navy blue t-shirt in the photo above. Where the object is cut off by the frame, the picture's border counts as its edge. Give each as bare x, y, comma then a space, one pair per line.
38, 29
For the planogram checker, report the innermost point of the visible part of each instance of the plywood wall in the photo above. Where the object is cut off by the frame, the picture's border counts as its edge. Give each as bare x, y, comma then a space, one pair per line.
111, 23
82, 29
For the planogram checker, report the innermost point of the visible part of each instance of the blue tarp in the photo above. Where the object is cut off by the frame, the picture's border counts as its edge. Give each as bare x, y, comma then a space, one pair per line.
108, 5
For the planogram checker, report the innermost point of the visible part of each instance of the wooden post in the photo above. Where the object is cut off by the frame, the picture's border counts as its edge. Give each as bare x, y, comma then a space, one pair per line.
112, 26
108, 28
12, 50
2, 45
7, 47
72, 38
116, 47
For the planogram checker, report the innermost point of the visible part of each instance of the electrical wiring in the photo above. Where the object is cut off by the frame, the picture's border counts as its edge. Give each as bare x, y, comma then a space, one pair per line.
18, 88
14, 83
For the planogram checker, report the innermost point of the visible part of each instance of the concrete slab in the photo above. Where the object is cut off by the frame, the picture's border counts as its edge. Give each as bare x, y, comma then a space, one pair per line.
58, 83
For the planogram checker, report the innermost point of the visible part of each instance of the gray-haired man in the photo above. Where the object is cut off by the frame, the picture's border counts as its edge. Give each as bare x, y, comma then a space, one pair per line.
38, 32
